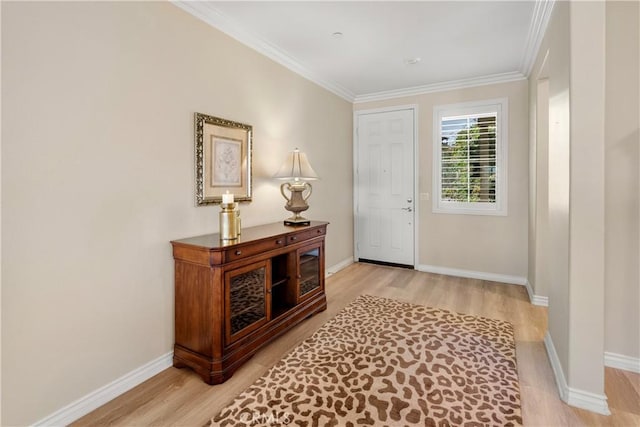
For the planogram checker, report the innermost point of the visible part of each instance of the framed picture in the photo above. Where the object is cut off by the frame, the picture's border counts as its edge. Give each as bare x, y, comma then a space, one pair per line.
223, 159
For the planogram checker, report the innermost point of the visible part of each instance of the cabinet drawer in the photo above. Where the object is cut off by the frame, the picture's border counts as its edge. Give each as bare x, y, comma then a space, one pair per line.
241, 252
305, 235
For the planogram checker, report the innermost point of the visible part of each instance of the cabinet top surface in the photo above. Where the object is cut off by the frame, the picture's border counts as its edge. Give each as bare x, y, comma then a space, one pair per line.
249, 234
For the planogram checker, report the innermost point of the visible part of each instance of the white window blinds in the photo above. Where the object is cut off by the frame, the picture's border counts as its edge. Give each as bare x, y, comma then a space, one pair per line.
468, 156
470, 165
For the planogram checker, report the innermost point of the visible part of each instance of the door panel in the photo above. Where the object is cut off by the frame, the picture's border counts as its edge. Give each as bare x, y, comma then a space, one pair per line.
397, 171
373, 222
385, 177
375, 169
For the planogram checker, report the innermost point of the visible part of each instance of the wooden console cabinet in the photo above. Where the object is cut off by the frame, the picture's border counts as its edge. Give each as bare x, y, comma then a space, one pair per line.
232, 298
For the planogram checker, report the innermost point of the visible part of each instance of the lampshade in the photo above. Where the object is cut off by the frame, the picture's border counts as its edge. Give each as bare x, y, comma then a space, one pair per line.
296, 166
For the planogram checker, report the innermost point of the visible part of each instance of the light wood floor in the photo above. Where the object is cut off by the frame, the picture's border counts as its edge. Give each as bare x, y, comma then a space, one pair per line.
179, 397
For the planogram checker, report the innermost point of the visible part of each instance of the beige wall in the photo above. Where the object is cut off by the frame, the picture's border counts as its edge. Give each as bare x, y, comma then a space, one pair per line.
481, 243
98, 176
586, 199
556, 166
539, 197
592, 200
622, 142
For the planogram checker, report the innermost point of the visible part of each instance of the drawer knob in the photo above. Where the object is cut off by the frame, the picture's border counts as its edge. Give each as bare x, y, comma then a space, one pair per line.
294, 238
278, 242
238, 252
319, 231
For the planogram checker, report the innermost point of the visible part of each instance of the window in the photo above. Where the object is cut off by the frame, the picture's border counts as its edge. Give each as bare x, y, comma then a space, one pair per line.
470, 152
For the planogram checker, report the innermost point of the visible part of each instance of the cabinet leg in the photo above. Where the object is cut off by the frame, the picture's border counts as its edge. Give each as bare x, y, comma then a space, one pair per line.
178, 364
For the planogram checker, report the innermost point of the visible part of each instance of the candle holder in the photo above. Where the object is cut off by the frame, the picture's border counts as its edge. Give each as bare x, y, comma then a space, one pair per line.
229, 222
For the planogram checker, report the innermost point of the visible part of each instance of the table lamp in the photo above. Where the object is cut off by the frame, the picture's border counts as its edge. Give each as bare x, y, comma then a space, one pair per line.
297, 171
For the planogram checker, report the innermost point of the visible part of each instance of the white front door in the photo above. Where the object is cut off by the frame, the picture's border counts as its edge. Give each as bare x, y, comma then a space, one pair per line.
385, 186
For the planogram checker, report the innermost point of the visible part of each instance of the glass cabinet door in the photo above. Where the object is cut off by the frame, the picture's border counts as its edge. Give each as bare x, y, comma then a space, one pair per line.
246, 299
309, 277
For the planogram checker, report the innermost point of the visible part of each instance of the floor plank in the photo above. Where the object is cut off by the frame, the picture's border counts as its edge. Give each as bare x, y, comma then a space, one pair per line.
179, 397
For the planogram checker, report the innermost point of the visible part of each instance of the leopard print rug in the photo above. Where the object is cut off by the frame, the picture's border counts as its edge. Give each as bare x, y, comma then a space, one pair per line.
382, 362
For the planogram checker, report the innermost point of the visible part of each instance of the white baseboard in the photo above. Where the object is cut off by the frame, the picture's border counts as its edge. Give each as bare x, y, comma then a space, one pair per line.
470, 274
579, 398
339, 266
619, 361
558, 373
99, 397
536, 299
590, 401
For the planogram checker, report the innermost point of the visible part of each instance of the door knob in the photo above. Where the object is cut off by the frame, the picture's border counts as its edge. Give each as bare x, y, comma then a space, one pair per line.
409, 200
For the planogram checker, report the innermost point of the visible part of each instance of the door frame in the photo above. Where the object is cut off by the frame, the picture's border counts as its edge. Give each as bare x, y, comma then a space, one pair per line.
356, 196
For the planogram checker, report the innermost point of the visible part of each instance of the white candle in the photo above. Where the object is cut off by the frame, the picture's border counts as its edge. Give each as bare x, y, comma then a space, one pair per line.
227, 198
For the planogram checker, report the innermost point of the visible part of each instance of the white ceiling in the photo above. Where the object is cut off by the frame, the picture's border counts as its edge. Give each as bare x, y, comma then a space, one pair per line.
459, 43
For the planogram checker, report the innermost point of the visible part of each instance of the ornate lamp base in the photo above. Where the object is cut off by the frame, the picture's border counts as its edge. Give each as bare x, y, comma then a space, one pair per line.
297, 203
297, 220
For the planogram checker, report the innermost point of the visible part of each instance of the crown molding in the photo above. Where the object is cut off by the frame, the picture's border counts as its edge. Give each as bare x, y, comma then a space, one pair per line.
442, 86
206, 12
539, 22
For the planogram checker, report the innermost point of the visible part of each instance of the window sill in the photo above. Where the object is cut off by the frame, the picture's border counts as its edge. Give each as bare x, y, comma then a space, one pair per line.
468, 211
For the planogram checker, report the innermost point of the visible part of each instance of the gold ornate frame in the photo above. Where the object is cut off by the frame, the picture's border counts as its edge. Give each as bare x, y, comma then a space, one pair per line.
223, 159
